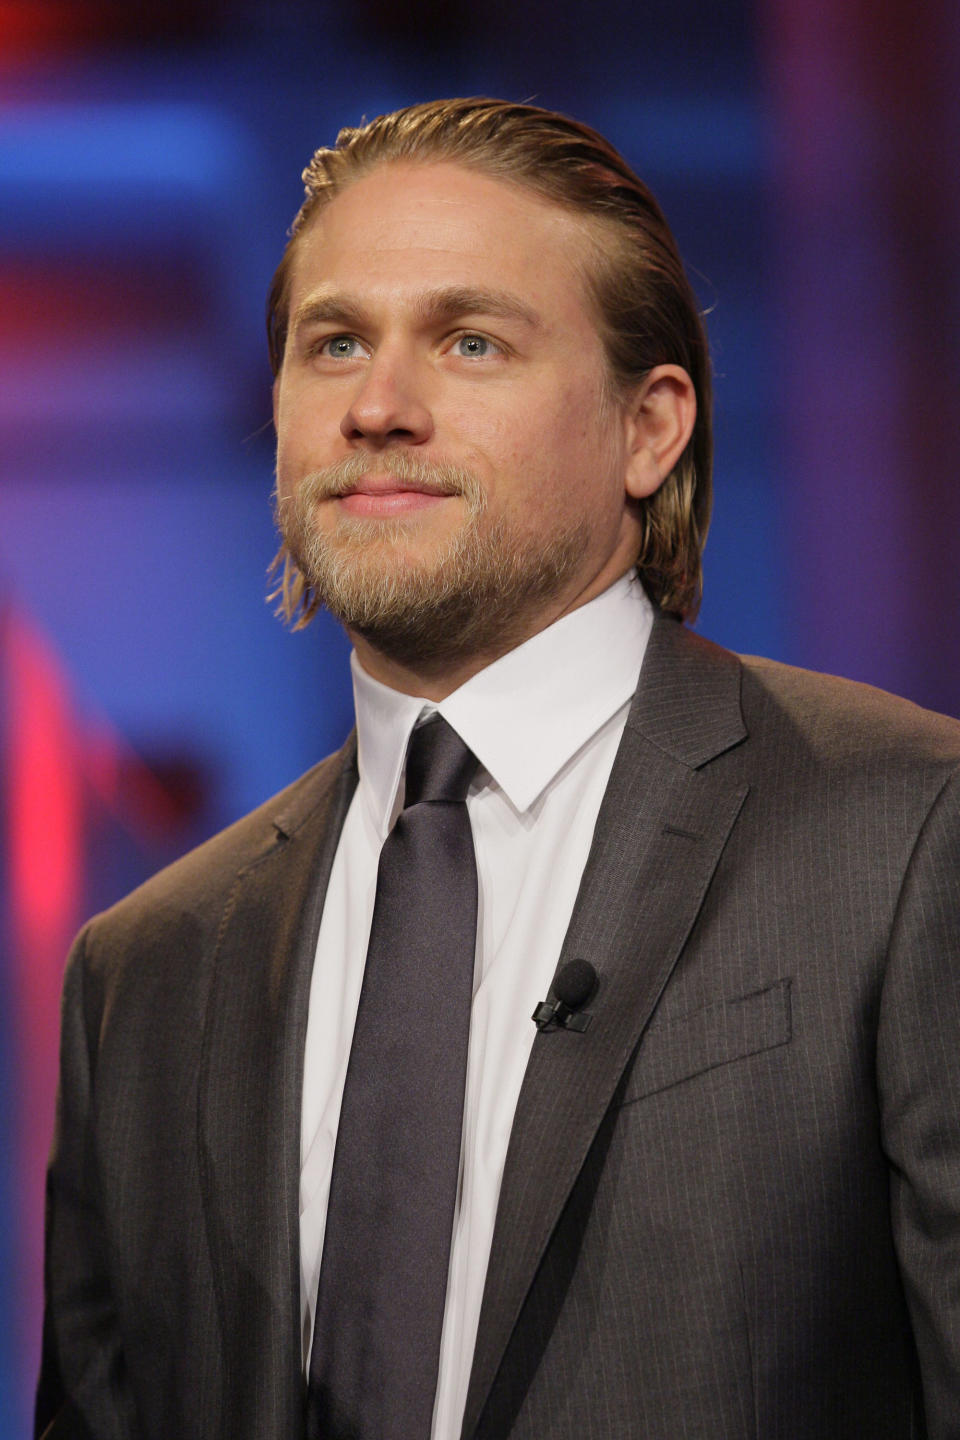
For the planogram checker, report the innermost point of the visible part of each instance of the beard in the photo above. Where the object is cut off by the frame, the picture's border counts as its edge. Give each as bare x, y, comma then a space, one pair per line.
477, 593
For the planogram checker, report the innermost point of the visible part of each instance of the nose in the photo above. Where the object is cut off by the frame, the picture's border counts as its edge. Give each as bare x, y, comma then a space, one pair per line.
389, 407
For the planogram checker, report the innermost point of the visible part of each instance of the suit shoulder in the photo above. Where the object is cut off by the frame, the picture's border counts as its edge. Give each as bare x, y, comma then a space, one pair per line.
197, 884
845, 719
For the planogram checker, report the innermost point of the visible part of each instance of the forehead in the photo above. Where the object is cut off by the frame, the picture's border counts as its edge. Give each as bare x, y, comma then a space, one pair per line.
412, 226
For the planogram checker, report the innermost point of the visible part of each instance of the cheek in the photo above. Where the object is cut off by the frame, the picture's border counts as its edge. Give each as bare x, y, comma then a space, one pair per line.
547, 426
306, 432
548, 457
296, 457
286, 467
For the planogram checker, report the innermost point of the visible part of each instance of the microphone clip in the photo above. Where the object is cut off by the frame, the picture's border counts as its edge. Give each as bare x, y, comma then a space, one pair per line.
573, 987
554, 1015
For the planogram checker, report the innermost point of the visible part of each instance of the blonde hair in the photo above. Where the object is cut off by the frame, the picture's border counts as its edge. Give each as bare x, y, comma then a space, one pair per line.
647, 311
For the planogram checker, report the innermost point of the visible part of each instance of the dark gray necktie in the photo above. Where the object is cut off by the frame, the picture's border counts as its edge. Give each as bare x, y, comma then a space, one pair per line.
383, 1276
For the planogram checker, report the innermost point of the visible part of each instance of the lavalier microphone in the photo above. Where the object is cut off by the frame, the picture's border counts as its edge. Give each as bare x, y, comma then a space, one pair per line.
574, 986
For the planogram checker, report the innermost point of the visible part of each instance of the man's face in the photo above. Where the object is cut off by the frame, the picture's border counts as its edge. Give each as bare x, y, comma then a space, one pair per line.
450, 475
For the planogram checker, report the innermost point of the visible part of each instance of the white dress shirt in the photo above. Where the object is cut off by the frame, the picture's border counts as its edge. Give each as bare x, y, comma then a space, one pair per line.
544, 721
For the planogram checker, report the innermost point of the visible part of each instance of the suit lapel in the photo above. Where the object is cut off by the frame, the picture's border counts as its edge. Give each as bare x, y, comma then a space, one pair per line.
250, 1096
659, 835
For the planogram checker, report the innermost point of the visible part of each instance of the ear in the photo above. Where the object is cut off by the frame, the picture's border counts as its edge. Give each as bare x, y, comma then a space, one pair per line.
661, 415
275, 393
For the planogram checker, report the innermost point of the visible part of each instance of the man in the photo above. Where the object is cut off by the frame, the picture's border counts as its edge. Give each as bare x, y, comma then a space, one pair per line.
715, 1190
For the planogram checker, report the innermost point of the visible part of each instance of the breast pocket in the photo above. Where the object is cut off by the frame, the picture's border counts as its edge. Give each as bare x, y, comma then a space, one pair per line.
678, 1048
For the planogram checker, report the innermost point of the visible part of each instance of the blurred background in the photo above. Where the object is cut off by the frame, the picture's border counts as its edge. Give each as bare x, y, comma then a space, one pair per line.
150, 153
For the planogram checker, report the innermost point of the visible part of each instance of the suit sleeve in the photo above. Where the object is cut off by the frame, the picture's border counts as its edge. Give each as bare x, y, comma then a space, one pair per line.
83, 1391
918, 1061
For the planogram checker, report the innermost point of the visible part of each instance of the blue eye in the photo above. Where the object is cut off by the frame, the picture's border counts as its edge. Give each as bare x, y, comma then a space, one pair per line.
340, 347
474, 347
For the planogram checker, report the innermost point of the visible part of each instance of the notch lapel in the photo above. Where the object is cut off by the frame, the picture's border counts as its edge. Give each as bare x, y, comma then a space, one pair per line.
249, 1107
662, 826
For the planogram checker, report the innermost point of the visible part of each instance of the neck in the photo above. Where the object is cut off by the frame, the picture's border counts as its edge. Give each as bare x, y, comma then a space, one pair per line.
424, 679
434, 679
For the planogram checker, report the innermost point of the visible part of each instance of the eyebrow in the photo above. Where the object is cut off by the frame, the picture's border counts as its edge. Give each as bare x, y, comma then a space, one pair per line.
450, 303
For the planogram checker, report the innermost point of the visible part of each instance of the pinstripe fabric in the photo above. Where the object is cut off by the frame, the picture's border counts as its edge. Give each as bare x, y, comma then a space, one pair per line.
731, 1208
725, 1262
172, 1240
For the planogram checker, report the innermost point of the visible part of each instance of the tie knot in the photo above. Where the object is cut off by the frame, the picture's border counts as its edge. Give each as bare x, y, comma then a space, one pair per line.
439, 765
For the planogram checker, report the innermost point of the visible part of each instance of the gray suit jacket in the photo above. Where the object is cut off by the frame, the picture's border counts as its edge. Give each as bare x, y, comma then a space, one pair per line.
730, 1208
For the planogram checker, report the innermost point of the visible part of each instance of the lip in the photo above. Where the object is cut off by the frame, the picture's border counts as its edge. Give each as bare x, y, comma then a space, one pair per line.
373, 499
388, 484
385, 495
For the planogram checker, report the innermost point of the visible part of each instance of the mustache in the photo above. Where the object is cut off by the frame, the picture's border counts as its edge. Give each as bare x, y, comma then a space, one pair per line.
433, 477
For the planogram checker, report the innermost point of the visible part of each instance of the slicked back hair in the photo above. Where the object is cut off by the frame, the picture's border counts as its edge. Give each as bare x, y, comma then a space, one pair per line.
646, 310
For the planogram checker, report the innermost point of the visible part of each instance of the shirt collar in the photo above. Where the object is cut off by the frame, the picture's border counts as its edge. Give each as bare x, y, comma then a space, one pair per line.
526, 715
